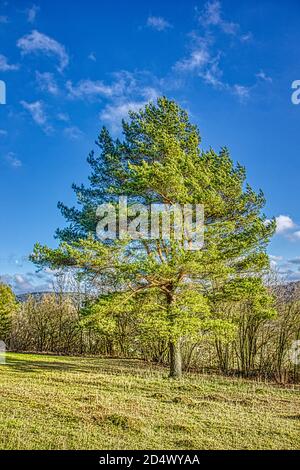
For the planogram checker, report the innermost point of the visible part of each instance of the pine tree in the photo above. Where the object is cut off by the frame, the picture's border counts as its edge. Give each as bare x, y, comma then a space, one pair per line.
160, 160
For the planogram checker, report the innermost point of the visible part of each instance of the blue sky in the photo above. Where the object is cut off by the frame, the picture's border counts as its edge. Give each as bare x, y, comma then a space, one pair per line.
70, 67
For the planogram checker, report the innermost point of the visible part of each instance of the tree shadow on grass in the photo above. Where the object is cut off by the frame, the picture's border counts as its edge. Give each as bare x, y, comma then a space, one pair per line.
112, 366
20, 365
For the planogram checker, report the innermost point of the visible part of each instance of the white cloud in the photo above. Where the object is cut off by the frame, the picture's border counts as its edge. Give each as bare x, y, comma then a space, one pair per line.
46, 82
284, 223
38, 114
125, 91
20, 279
198, 58
5, 66
246, 37
64, 117
31, 13
203, 63
264, 77
133, 98
158, 23
289, 270
29, 282
18, 282
241, 91
73, 132
123, 84
212, 16
90, 89
213, 75
113, 114
293, 276
276, 258
37, 42
36, 110
13, 161
295, 235
92, 57
294, 260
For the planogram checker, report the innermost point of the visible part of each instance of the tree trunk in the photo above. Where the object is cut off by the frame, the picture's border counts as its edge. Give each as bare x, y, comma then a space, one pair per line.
175, 360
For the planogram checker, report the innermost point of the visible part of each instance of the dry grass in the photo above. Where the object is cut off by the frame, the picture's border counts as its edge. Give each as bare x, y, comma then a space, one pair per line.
50, 402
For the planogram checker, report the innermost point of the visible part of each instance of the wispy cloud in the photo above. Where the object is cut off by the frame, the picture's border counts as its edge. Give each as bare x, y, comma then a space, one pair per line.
46, 82
92, 57
112, 114
134, 91
12, 160
73, 132
158, 23
206, 56
197, 59
90, 89
247, 37
36, 42
241, 91
204, 63
294, 236
276, 258
264, 77
38, 114
212, 16
5, 66
123, 83
31, 13
64, 117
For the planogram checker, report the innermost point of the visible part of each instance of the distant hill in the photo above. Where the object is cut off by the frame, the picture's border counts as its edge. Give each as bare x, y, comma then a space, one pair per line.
36, 295
39, 295
288, 291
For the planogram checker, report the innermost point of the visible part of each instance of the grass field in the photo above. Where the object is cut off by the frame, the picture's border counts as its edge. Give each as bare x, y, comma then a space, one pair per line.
50, 402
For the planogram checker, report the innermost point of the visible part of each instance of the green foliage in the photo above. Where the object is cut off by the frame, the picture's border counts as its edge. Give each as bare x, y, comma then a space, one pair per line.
8, 306
160, 161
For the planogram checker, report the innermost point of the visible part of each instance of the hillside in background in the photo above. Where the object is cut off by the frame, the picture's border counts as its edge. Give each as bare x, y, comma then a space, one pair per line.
288, 289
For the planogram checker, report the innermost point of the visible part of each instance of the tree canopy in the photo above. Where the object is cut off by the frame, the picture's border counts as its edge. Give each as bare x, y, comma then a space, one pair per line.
8, 305
178, 292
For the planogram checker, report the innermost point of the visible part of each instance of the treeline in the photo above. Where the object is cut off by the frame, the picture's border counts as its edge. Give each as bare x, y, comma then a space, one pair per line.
255, 347
194, 296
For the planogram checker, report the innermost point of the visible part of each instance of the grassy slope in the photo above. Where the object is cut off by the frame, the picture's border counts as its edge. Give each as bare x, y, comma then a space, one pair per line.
50, 402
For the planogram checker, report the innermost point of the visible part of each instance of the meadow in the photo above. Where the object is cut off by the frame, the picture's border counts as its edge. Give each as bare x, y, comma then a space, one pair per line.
59, 402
